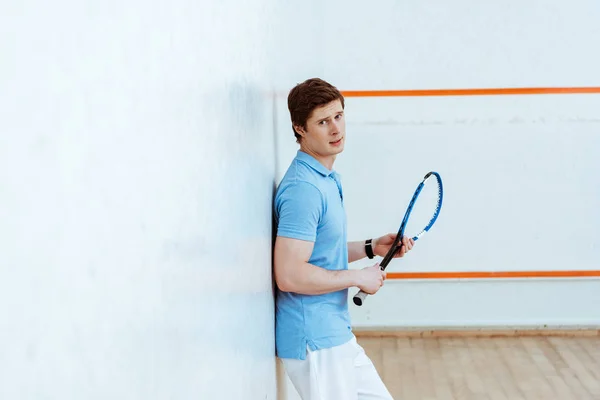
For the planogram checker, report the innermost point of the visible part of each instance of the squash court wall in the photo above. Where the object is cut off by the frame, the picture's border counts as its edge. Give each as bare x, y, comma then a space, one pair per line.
136, 176
520, 172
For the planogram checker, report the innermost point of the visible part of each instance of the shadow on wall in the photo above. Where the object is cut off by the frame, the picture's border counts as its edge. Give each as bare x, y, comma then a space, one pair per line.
281, 377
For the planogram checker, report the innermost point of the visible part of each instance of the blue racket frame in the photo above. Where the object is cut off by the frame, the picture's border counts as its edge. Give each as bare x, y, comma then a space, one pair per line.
360, 297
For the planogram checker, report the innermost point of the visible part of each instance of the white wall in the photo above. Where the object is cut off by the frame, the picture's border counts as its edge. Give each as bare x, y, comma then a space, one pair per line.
520, 172
136, 176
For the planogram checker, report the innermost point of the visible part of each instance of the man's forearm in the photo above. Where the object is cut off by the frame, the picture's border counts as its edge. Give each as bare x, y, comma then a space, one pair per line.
356, 251
306, 278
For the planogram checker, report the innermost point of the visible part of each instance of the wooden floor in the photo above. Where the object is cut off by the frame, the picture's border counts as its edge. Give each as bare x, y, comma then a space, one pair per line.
481, 368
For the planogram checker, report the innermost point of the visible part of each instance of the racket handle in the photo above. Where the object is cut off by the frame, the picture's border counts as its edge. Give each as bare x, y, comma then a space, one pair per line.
360, 297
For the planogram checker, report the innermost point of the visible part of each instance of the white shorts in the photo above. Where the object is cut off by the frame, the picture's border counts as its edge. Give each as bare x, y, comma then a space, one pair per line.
343, 372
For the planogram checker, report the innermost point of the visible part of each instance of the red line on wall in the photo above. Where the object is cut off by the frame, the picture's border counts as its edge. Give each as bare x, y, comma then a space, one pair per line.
470, 92
493, 275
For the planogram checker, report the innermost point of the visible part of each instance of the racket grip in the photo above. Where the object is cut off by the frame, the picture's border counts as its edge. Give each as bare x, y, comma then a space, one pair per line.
360, 297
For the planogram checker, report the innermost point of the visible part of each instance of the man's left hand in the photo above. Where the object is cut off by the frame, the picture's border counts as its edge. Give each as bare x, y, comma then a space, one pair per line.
382, 245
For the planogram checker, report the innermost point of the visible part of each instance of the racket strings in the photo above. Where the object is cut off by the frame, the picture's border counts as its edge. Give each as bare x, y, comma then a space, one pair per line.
425, 208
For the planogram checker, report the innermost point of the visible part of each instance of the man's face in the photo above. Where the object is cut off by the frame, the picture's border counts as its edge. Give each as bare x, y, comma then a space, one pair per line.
325, 131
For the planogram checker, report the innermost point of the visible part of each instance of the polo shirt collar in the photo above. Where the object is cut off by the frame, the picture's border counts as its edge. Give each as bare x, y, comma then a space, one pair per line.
313, 163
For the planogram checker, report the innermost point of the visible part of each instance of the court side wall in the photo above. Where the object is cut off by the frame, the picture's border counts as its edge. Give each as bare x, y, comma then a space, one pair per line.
136, 176
520, 172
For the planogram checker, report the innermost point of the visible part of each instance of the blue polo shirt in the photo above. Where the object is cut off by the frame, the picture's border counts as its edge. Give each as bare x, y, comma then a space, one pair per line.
309, 205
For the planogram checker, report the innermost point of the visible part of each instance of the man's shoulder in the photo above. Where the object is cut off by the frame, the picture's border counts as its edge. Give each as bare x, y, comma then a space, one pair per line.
299, 176
299, 190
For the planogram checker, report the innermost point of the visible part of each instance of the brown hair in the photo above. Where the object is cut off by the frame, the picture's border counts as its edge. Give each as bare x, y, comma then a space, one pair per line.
307, 96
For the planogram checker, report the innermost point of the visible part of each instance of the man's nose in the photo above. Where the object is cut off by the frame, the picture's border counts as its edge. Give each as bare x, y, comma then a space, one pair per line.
334, 127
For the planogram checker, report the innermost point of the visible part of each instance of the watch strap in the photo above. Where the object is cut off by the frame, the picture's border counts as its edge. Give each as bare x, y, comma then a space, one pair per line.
369, 248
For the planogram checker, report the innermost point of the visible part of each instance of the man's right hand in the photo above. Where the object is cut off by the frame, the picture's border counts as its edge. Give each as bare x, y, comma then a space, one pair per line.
371, 279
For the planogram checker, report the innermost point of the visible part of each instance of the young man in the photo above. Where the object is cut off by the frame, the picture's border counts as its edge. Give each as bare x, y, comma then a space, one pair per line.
314, 338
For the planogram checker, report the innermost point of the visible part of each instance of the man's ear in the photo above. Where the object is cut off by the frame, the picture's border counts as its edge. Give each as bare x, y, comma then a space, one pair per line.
299, 130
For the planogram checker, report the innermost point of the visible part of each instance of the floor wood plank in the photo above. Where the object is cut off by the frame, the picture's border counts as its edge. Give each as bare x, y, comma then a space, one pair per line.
495, 368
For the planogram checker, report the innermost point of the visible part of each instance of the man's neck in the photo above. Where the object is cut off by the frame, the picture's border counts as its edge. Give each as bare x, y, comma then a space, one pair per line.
326, 161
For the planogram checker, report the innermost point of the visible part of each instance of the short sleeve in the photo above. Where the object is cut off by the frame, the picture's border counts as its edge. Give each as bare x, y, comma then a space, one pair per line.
299, 210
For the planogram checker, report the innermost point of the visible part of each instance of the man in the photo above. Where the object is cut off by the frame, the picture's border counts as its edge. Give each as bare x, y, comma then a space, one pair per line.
313, 330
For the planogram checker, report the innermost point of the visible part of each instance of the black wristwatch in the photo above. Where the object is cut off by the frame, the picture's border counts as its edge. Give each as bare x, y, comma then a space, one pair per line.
369, 248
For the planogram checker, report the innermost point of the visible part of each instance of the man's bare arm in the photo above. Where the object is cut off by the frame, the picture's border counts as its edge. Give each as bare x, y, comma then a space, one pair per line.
356, 251
293, 272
